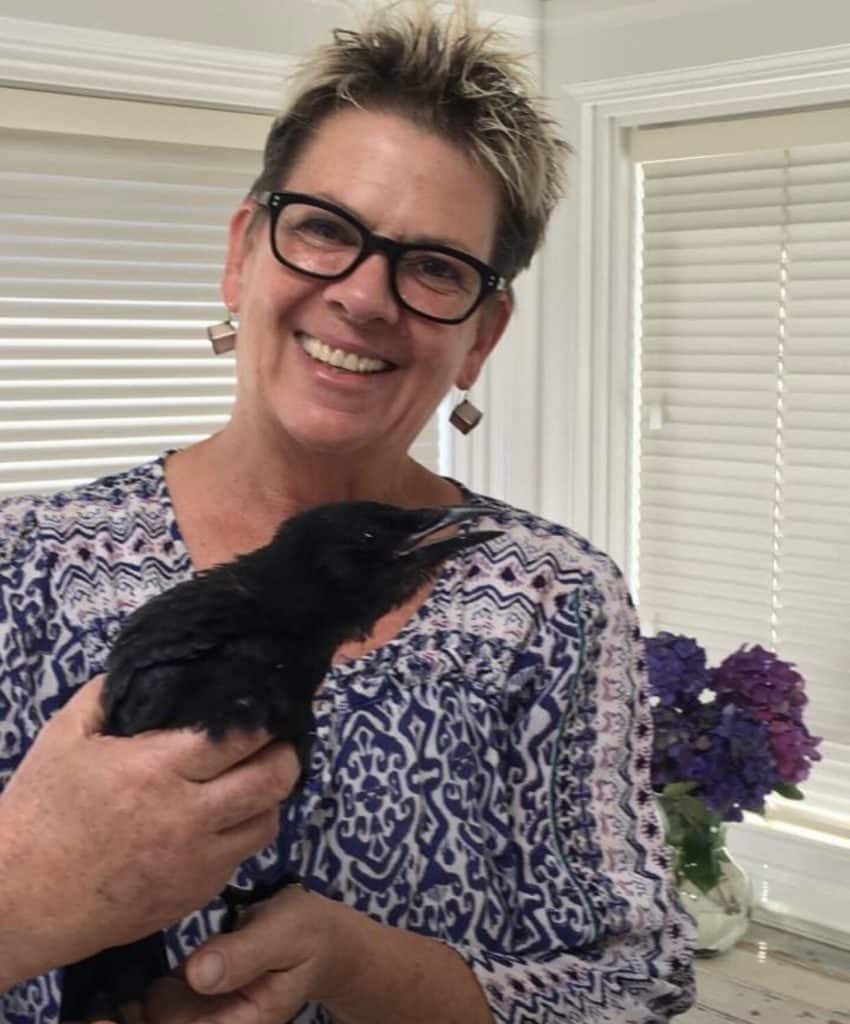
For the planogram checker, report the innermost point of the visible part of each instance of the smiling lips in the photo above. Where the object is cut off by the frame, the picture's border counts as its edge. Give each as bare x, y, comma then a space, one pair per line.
340, 359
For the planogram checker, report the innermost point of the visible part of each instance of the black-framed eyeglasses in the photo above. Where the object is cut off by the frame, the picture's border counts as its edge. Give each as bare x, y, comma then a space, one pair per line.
322, 240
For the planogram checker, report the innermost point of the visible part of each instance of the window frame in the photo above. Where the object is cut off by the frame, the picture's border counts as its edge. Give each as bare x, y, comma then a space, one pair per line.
799, 869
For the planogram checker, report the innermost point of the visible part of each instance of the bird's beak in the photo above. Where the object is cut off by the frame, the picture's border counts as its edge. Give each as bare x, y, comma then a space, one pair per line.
450, 516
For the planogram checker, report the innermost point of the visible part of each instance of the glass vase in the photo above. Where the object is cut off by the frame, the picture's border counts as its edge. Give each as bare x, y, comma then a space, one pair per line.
723, 913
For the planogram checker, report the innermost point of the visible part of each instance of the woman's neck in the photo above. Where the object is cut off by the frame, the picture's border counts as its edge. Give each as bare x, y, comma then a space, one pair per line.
229, 496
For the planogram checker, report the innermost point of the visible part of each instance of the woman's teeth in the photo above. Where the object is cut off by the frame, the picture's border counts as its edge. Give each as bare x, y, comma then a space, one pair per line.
343, 360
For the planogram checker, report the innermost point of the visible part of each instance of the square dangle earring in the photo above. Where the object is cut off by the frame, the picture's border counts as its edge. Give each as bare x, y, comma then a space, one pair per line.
465, 416
223, 335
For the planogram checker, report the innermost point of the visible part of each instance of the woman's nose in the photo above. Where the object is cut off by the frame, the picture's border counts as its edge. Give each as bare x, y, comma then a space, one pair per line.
365, 294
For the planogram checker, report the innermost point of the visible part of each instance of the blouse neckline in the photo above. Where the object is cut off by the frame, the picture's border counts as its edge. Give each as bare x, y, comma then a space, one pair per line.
438, 599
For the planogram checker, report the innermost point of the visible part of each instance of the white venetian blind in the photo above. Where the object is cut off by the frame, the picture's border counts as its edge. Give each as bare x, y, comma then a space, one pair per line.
113, 227
744, 469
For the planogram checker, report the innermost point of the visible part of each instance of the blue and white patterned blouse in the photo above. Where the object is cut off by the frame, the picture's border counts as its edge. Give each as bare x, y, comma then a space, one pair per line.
482, 777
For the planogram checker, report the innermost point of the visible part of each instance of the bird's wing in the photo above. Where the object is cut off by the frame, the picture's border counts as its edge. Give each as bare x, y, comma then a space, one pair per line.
194, 622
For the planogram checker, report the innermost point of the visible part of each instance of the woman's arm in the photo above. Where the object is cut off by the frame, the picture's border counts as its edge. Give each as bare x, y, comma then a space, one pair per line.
102, 839
106, 840
598, 931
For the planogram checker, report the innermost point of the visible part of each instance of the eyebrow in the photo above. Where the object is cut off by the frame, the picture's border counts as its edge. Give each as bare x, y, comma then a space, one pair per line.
423, 240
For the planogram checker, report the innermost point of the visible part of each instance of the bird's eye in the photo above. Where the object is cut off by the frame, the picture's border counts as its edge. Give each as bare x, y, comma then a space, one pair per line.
368, 537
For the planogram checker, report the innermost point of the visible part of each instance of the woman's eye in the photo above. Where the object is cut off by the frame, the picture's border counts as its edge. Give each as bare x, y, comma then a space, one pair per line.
438, 268
315, 227
433, 271
328, 230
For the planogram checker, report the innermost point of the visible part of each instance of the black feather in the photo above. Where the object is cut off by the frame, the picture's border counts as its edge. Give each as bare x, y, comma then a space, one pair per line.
245, 645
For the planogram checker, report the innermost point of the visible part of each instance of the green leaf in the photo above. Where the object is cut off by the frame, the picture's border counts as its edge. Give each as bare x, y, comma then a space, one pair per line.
692, 810
701, 857
677, 829
704, 875
788, 790
674, 789
696, 836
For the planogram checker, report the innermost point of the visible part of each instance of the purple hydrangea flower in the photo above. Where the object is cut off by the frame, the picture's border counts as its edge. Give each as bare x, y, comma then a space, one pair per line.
772, 690
677, 669
724, 750
720, 752
674, 742
739, 768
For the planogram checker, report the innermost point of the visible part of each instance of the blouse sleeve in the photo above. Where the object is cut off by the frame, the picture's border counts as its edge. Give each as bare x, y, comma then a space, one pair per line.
23, 584
599, 936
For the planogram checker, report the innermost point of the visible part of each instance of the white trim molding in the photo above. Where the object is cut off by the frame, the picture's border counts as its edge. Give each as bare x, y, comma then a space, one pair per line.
63, 58
778, 82
588, 318
589, 348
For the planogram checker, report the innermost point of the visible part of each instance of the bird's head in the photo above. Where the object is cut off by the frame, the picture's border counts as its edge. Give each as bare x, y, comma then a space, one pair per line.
352, 561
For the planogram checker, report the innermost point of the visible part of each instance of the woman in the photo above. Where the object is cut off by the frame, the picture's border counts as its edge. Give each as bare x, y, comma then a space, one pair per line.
476, 826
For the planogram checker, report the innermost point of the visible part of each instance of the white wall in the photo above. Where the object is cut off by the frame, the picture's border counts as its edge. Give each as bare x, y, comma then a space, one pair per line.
281, 26
595, 40
278, 26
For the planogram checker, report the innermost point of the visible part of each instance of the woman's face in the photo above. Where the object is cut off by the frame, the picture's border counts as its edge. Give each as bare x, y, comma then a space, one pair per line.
398, 181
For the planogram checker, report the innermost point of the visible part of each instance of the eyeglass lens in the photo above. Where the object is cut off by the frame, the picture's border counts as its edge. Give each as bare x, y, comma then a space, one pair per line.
318, 241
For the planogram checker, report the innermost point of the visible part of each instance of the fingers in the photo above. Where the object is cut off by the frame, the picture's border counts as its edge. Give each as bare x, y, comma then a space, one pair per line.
171, 1001
273, 997
133, 1013
255, 785
270, 965
271, 937
201, 759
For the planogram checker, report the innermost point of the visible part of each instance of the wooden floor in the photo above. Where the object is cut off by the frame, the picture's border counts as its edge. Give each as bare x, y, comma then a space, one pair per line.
772, 977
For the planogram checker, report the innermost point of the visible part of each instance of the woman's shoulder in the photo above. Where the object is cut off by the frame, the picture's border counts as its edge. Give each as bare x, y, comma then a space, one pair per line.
117, 506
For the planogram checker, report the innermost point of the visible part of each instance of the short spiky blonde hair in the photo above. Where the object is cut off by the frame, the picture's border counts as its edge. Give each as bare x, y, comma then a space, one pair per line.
450, 76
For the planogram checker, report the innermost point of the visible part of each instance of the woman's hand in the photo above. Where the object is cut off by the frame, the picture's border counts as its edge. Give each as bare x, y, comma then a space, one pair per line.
289, 950
104, 839
300, 947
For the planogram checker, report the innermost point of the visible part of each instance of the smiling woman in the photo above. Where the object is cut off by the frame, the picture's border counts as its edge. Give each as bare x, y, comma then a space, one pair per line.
405, 184
475, 824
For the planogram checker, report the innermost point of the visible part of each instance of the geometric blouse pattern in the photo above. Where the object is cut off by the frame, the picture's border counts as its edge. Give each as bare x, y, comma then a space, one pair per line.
482, 778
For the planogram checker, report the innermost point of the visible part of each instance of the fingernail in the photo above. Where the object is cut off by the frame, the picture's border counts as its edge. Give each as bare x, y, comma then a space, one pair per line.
209, 970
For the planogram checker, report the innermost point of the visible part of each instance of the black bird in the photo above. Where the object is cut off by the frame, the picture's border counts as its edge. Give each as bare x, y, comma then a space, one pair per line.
245, 645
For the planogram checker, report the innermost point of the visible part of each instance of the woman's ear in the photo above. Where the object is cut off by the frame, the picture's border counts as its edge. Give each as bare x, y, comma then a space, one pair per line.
492, 321
239, 240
